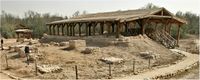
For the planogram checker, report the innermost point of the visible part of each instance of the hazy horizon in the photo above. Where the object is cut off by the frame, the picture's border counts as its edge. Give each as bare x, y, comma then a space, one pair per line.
68, 7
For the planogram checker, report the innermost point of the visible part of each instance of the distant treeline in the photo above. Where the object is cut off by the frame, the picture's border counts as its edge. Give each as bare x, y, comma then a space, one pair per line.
37, 22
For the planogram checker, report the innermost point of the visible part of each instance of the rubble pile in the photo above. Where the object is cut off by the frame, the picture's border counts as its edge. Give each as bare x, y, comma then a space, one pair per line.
91, 50
49, 68
147, 55
77, 44
64, 43
111, 60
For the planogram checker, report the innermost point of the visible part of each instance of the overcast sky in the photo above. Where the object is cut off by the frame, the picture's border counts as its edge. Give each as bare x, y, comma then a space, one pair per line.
68, 7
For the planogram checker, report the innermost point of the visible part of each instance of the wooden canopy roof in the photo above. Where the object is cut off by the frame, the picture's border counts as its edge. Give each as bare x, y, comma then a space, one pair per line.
20, 28
125, 16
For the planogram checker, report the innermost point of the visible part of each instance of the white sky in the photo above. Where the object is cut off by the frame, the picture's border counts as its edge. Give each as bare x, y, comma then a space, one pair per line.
68, 7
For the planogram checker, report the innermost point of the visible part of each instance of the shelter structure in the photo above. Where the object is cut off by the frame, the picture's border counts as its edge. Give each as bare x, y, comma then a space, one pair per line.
23, 32
130, 22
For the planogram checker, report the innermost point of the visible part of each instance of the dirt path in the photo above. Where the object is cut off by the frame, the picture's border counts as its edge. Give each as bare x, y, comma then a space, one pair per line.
4, 77
191, 59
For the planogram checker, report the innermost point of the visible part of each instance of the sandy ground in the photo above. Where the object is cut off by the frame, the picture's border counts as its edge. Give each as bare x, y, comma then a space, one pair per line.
89, 66
4, 77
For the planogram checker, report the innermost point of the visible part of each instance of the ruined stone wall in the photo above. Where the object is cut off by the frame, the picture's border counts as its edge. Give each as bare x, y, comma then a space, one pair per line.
90, 40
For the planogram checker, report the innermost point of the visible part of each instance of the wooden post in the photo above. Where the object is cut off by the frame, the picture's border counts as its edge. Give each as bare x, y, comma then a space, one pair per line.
76, 71
67, 29
70, 28
165, 27
63, 25
113, 27
134, 66
178, 34
74, 25
169, 30
89, 29
50, 33
110, 74
73, 30
36, 70
143, 28
140, 22
118, 31
58, 27
102, 28
149, 62
156, 26
94, 28
108, 28
86, 28
6, 59
126, 27
17, 36
79, 29
54, 32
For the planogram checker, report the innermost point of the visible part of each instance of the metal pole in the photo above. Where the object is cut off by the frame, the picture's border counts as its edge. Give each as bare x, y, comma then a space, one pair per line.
36, 67
76, 69
133, 65
110, 74
6, 61
149, 62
